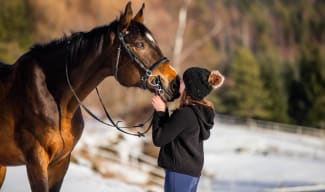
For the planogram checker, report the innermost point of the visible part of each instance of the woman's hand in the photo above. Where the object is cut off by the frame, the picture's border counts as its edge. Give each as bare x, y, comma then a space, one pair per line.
158, 103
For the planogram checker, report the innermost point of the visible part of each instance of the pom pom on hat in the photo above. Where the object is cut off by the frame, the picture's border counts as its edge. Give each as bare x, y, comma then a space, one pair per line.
215, 79
199, 82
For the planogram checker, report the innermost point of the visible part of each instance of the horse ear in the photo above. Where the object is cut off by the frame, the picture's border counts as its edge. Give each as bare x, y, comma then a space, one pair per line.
126, 17
139, 17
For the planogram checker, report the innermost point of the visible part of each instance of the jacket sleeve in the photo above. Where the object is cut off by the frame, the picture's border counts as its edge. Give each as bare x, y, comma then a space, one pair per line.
165, 129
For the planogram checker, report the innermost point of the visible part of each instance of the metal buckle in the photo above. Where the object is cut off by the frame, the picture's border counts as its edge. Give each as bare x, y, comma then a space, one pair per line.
160, 91
157, 81
148, 73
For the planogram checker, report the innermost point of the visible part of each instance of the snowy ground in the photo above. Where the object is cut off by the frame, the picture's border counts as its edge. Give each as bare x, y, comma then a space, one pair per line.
242, 159
78, 178
237, 159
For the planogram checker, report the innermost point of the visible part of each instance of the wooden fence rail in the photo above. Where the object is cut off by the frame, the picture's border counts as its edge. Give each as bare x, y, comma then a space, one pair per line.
314, 188
253, 123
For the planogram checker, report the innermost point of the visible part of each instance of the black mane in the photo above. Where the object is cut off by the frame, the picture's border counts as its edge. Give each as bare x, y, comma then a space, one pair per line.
82, 40
76, 41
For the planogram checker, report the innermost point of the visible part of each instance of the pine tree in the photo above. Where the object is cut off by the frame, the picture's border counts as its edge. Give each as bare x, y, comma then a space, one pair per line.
273, 81
247, 96
312, 77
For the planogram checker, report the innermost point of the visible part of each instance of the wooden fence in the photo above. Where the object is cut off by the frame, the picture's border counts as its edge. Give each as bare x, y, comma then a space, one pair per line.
313, 188
253, 123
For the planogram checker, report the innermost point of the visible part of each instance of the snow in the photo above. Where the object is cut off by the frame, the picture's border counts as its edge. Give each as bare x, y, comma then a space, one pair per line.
241, 159
237, 159
78, 178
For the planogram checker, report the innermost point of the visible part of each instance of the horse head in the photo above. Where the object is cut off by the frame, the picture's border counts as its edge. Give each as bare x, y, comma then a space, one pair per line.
140, 62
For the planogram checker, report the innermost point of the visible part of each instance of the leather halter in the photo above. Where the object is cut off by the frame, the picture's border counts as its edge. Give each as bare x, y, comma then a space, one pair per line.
157, 84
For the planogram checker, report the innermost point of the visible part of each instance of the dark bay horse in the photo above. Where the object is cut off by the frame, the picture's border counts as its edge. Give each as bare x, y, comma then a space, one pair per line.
40, 117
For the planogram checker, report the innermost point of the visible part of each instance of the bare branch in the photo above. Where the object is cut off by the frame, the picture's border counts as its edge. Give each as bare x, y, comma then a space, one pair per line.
200, 42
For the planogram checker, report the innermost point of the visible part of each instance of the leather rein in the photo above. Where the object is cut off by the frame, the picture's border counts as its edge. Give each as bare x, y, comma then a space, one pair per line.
157, 85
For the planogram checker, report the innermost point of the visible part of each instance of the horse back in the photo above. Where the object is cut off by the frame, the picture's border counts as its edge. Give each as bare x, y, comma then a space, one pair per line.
27, 107
29, 89
24, 92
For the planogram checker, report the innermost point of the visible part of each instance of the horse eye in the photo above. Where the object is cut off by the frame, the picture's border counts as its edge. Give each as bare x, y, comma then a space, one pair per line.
139, 44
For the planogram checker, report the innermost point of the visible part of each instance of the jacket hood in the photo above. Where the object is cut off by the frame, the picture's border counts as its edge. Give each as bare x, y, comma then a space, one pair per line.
205, 117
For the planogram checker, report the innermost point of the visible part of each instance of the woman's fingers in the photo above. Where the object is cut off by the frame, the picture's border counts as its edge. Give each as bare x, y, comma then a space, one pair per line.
158, 103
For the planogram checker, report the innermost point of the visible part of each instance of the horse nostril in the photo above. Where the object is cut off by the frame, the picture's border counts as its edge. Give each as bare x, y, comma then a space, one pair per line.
175, 84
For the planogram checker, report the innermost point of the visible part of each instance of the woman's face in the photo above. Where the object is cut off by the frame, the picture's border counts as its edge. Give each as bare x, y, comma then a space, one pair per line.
181, 87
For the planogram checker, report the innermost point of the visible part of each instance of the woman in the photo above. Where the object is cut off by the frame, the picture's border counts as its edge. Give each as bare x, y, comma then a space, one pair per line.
181, 135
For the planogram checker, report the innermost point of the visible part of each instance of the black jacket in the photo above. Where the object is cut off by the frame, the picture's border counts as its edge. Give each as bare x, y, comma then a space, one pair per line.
181, 136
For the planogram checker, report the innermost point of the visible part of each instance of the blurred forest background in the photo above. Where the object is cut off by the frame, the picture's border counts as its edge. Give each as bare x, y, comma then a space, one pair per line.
272, 52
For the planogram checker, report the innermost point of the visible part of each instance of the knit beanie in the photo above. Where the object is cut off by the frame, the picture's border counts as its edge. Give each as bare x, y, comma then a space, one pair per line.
199, 82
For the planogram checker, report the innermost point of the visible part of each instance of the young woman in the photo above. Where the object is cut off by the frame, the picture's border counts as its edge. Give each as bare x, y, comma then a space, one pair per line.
181, 135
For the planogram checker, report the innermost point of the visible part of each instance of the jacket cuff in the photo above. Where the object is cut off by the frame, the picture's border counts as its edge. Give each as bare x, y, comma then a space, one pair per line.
162, 113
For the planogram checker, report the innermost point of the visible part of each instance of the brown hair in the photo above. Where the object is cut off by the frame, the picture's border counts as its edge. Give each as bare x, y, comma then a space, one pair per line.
188, 100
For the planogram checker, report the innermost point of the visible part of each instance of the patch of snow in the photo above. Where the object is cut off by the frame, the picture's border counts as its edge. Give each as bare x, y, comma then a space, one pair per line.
78, 178
241, 159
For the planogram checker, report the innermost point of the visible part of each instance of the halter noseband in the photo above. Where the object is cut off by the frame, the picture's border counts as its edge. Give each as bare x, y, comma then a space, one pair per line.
157, 84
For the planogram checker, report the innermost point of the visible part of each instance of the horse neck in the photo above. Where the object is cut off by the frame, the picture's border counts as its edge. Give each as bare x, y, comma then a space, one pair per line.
84, 77
87, 66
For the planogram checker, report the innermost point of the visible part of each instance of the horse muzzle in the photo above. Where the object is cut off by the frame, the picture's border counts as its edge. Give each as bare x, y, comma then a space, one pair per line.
172, 91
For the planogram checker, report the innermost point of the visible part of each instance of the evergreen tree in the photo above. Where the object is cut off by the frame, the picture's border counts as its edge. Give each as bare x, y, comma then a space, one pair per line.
15, 29
247, 96
298, 102
312, 77
273, 80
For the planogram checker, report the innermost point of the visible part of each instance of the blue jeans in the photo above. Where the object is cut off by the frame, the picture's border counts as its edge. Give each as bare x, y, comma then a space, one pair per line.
178, 182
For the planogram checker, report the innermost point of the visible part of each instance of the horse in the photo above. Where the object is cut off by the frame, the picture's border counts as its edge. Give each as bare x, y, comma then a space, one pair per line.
41, 119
